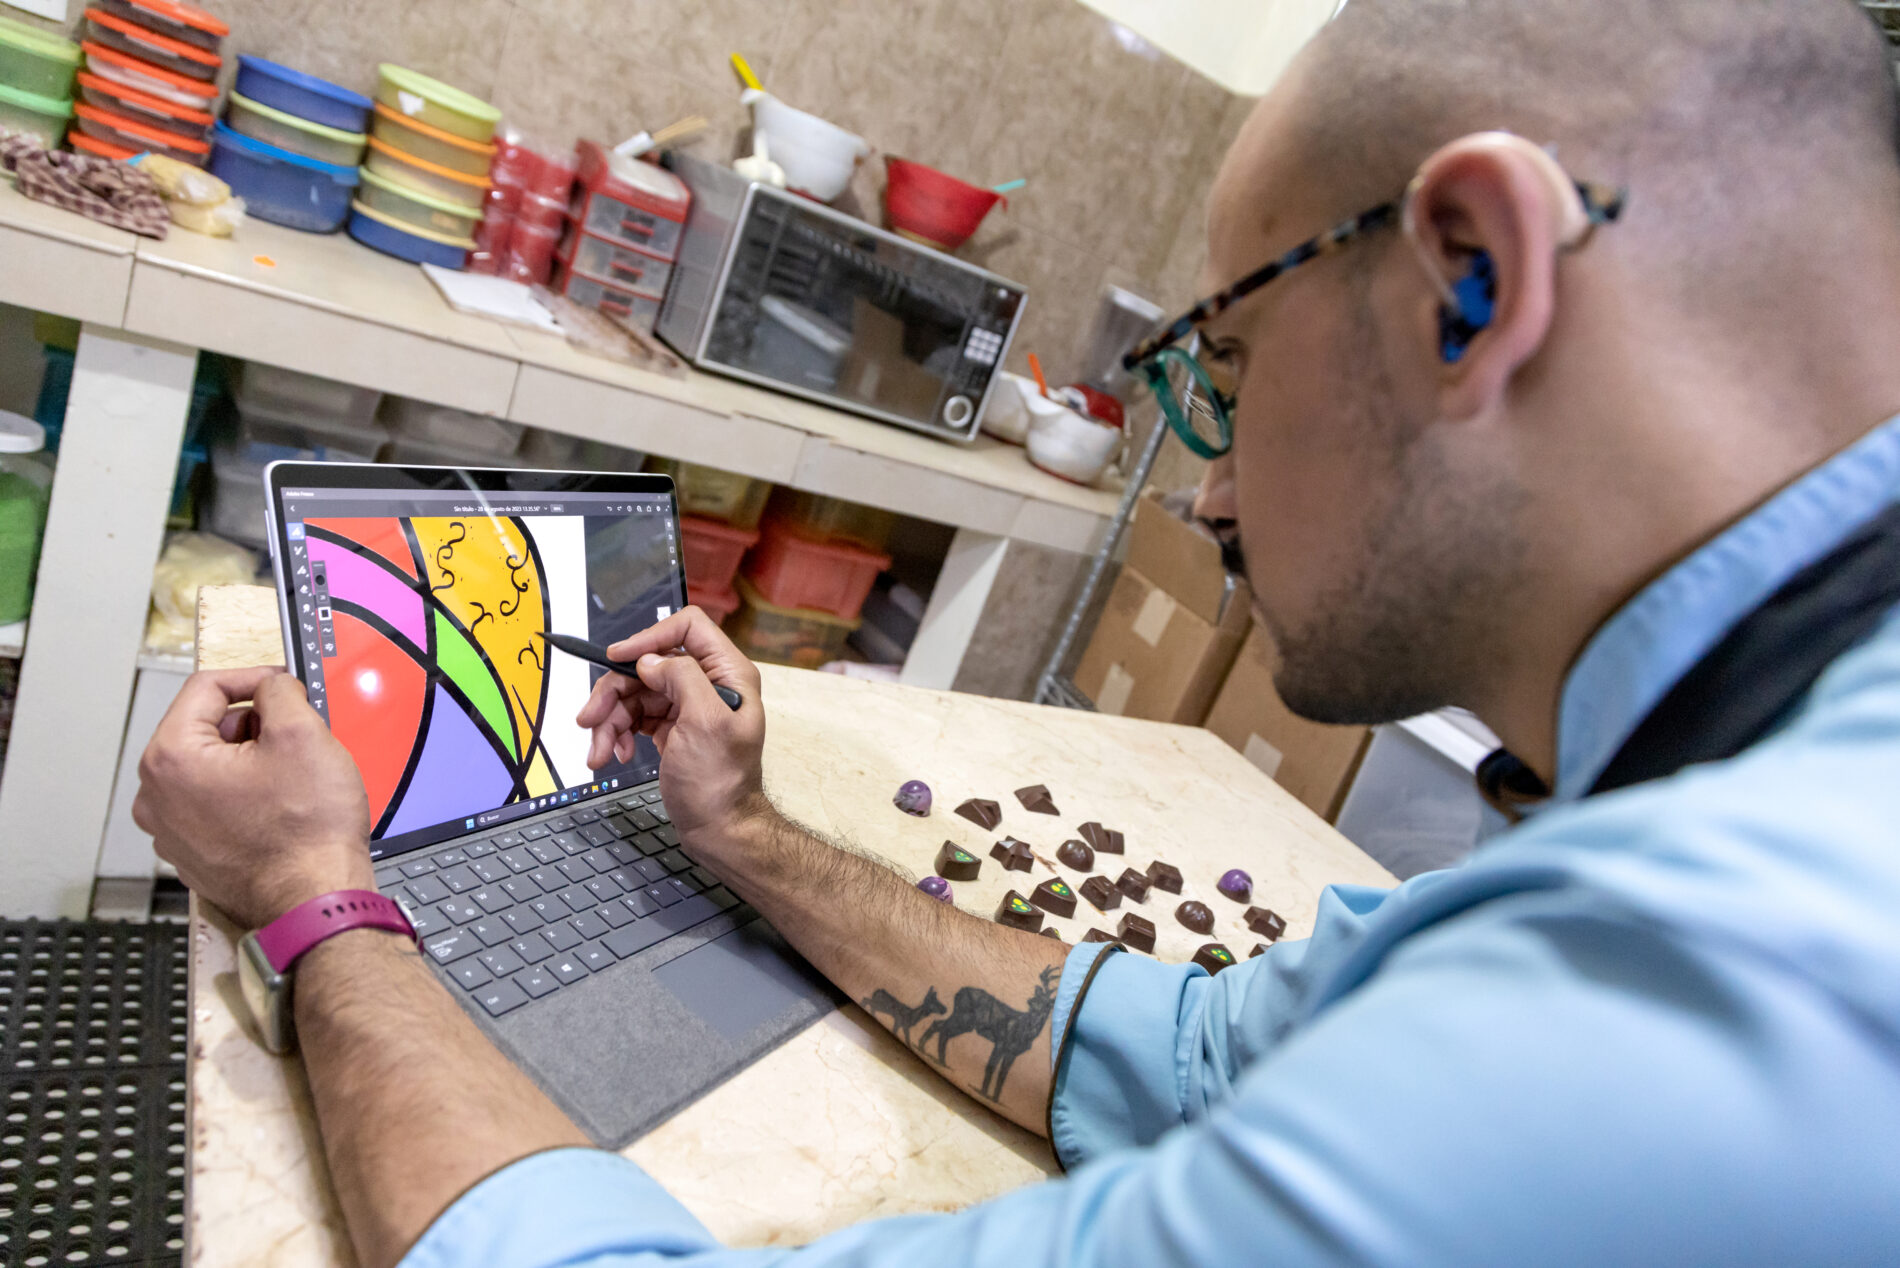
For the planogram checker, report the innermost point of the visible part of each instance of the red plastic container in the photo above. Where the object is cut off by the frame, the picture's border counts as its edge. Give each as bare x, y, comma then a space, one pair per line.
632, 201
718, 604
923, 204
791, 572
530, 254
711, 551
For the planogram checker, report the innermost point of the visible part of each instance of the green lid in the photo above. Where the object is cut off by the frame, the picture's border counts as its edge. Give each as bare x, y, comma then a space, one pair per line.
447, 96
302, 125
30, 39
58, 107
461, 211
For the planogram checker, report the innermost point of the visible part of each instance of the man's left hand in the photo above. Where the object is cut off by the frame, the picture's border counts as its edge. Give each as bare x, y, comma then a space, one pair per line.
259, 809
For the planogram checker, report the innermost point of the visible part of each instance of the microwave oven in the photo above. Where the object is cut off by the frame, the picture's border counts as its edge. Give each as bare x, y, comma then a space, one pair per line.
776, 289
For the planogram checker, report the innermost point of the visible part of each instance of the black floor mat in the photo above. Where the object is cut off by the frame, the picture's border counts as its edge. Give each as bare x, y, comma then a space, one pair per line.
92, 1093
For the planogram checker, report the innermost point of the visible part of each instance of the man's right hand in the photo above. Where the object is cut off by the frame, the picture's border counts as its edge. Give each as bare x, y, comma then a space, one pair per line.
710, 769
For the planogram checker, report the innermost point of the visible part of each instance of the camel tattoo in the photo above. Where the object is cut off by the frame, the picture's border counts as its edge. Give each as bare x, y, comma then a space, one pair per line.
1010, 1031
902, 1016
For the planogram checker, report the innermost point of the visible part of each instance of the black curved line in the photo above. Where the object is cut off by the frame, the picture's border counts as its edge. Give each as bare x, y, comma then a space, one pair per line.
447, 551
418, 588
486, 615
529, 651
534, 742
547, 626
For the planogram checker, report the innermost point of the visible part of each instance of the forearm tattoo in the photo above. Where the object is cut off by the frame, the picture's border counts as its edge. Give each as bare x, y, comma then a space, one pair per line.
1011, 1031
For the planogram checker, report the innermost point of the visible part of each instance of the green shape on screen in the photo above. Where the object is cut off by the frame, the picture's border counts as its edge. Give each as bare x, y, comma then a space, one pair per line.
464, 666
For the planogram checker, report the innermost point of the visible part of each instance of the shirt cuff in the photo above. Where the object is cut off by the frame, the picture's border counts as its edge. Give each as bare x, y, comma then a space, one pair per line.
559, 1207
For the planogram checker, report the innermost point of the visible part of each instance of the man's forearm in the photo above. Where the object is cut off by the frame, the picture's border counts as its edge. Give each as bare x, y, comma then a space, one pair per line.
415, 1105
973, 998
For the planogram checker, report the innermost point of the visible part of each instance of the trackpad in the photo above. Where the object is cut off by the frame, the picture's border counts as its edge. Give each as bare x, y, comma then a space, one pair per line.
738, 983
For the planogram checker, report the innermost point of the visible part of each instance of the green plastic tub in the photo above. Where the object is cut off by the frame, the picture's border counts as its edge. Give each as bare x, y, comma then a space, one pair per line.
435, 103
31, 61
43, 117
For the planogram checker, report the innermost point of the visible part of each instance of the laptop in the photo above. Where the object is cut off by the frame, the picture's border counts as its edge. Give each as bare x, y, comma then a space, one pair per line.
553, 900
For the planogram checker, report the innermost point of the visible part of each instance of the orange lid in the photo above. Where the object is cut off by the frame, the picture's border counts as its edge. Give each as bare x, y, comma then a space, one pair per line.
434, 133
100, 149
145, 101
132, 127
182, 15
163, 43
434, 169
171, 79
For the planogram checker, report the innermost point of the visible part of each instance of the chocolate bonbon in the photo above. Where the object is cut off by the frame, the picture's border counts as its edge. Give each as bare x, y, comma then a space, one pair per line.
1076, 855
1014, 855
1269, 925
1195, 915
1259, 948
1096, 935
1164, 876
1136, 932
1133, 884
913, 797
984, 814
1104, 840
1235, 884
1036, 800
1054, 895
1050, 932
1214, 957
938, 888
1101, 893
1016, 912
956, 863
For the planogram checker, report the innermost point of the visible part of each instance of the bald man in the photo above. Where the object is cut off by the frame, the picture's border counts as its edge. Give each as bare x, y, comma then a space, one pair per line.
1591, 443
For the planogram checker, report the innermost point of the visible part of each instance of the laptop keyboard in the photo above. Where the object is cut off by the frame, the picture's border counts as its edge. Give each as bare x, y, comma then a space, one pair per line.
515, 917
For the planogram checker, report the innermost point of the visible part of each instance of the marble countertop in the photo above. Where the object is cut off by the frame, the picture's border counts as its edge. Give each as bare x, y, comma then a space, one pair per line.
842, 1123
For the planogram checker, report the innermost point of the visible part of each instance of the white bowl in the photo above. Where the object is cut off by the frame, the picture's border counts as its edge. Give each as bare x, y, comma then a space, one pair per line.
1006, 417
1067, 444
818, 157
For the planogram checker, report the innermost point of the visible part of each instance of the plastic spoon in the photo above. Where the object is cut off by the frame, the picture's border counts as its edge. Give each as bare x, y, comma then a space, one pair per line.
1008, 187
1035, 368
746, 76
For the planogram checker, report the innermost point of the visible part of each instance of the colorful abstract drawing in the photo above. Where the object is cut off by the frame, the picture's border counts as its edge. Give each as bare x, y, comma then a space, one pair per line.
439, 687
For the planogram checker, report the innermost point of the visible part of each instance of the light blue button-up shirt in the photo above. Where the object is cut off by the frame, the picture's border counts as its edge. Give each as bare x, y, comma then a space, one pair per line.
1658, 1026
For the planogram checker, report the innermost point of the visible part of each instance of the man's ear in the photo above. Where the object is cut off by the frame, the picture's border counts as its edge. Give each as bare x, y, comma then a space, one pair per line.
1495, 197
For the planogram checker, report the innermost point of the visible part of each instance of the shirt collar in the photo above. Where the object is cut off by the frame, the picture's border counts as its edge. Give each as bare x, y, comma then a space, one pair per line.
1657, 637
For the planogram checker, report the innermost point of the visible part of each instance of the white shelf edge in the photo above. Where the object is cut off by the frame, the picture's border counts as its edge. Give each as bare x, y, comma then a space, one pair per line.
12, 640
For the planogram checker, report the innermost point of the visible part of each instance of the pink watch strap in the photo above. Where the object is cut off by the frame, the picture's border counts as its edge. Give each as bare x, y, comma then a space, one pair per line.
288, 937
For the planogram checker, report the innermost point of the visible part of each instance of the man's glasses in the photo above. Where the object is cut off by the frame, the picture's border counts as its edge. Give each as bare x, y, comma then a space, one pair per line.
1201, 410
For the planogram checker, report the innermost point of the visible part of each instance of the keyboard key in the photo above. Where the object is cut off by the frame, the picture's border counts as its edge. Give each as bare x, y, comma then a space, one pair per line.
550, 909
639, 904
518, 860
532, 950
491, 871
447, 948
589, 925
501, 997
575, 869
615, 914
427, 889
643, 819
460, 910
723, 898
546, 851
596, 956
426, 920
587, 816
471, 974
501, 961
537, 982
705, 877
548, 879
571, 842
536, 832
598, 858
577, 898
490, 899
683, 886
619, 825
595, 834
603, 889
687, 882
650, 869
521, 889
685, 915
631, 803
459, 879
667, 832
522, 919
622, 852
651, 796
561, 823
567, 969
420, 867
560, 937
508, 840
450, 858
491, 931
636, 938
659, 812
483, 849
663, 895
650, 844
676, 861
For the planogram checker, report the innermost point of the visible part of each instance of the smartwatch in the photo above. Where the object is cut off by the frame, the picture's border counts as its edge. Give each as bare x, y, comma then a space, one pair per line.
267, 956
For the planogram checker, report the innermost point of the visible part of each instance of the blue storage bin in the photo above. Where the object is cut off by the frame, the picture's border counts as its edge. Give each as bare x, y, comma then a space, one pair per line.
305, 96
281, 187
371, 231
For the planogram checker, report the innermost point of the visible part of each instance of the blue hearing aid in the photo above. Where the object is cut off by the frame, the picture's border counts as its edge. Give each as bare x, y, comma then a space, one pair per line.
1476, 294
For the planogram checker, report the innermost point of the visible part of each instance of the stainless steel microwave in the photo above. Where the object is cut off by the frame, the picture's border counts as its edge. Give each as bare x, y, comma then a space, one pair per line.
782, 291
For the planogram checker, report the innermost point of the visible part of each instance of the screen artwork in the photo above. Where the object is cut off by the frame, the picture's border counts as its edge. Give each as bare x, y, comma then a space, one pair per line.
438, 686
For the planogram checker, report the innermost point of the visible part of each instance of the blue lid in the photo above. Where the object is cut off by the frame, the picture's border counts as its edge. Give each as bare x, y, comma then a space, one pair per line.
254, 148
309, 83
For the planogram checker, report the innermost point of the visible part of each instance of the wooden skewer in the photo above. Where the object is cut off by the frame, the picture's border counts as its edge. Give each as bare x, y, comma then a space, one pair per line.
685, 127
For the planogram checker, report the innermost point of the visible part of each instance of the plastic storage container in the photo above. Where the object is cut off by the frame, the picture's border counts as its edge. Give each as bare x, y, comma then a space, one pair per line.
26, 482
233, 505
132, 73
129, 134
162, 51
416, 210
154, 112
433, 145
629, 306
33, 61
43, 117
822, 519
97, 148
270, 435
269, 389
785, 636
629, 201
305, 96
441, 425
435, 103
622, 265
169, 18
718, 604
286, 131
410, 172
711, 551
281, 187
830, 577
737, 500
382, 232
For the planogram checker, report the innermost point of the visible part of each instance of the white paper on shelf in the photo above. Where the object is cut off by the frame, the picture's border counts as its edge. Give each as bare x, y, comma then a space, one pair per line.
497, 297
54, 9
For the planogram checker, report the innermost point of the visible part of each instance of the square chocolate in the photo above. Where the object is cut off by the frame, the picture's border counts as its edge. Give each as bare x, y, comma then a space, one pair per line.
1054, 895
1165, 876
1269, 925
1016, 912
1133, 884
1104, 840
1136, 932
1101, 893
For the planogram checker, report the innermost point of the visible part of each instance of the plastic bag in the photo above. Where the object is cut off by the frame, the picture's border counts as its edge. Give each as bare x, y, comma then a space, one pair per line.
191, 560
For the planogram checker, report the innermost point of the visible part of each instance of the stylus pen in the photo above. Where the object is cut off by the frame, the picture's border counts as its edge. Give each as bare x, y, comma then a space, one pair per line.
594, 654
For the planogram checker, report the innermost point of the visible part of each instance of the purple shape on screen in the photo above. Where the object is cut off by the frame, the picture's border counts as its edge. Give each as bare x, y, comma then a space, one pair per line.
459, 773
373, 588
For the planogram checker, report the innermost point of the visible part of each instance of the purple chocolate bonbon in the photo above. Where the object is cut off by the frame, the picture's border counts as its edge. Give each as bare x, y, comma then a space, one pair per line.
1235, 884
937, 887
913, 798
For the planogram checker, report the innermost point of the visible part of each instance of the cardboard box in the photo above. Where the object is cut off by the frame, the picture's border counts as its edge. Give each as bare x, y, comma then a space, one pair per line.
1172, 626
1313, 762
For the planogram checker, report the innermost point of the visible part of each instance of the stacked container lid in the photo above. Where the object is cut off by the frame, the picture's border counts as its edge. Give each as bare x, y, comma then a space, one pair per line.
150, 80
290, 145
426, 174
618, 254
36, 81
